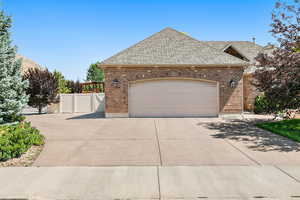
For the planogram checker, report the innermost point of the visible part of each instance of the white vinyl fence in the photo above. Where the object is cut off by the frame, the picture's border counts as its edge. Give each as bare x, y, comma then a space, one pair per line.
81, 103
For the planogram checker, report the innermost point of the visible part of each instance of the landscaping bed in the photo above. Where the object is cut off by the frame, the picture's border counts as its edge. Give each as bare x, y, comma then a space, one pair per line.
20, 144
287, 128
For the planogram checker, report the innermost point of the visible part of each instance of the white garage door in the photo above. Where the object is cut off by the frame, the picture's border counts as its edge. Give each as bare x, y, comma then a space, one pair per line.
173, 98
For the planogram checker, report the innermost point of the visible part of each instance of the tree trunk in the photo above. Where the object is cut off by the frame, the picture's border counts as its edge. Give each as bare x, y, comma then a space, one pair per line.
40, 109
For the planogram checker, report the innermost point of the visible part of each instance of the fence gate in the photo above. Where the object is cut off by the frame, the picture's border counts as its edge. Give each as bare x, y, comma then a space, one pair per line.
81, 103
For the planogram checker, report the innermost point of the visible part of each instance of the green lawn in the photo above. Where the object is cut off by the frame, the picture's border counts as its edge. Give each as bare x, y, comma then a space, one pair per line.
288, 128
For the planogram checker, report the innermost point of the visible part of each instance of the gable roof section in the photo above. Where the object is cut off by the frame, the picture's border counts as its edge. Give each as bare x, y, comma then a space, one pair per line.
170, 47
232, 51
247, 49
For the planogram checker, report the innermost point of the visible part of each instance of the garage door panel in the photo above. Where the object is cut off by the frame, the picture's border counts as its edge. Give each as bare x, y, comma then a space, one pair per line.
173, 98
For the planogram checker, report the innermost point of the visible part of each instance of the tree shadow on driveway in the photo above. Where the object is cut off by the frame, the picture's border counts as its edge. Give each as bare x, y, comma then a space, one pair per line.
251, 136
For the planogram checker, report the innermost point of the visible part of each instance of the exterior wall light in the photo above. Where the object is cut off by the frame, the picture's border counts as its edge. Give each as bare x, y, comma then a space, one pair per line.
232, 83
115, 83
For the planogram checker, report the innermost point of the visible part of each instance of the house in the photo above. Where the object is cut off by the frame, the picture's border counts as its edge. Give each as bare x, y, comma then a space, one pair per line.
27, 63
171, 74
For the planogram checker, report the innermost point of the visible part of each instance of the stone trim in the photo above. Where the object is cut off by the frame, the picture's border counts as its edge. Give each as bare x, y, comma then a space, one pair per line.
208, 66
116, 115
171, 78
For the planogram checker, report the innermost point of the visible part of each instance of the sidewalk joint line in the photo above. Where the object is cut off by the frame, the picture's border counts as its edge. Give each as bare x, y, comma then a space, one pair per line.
245, 154
158, 144
158, 182
286, 173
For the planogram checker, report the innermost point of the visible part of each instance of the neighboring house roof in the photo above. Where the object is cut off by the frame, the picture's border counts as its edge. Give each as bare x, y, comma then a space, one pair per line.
170, 47
246, 48
27, 63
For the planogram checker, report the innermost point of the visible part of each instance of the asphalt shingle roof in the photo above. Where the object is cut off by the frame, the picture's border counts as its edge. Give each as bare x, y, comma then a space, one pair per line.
248, 49
170, 47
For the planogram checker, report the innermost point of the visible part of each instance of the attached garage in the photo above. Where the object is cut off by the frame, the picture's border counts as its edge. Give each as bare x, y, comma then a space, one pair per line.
170, 74
173, 98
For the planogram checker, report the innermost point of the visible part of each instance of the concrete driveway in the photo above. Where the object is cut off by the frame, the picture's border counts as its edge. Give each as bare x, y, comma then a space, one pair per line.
87, 140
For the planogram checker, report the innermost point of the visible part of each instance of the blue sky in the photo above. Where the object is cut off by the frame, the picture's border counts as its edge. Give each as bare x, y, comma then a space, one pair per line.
68, 35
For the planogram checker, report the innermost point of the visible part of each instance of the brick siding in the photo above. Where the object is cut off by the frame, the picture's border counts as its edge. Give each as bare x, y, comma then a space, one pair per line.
116, 98
250, 93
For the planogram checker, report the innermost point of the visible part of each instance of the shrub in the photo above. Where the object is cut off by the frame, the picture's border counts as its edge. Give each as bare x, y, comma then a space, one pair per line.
75, 87
62, 82
261, 105
17, 139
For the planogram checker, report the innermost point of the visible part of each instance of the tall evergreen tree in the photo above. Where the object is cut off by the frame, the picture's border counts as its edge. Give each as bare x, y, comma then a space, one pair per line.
12, 88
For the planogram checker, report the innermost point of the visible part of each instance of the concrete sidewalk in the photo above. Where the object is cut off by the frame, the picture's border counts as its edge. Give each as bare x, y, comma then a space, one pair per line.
207, 182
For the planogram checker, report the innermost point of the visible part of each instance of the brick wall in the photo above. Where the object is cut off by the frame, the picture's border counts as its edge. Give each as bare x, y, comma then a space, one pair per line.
250, 93
231, 99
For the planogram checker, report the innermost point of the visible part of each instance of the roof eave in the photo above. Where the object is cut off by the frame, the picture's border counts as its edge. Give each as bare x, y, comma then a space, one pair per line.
104, 65
230, 45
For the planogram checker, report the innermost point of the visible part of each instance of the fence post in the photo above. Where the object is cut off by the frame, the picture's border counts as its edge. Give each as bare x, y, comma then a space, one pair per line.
74, 102
92, 102
60, 104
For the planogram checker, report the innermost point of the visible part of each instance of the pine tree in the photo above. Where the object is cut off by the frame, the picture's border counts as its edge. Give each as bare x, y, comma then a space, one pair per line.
12, 87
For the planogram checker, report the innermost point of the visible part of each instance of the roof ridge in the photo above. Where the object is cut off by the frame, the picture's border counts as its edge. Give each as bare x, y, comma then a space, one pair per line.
233, 41
226, 41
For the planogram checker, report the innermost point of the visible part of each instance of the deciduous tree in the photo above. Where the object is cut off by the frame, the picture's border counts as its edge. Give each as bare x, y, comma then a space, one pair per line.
94, 73
278, 74
43, 88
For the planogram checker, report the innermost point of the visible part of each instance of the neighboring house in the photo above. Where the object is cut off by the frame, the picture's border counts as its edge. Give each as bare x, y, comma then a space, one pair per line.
27, 63
246, 51
170, 74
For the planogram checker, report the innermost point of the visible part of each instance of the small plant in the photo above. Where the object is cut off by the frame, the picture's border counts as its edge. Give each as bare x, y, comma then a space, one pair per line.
261, 105
286, 114
17, 139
